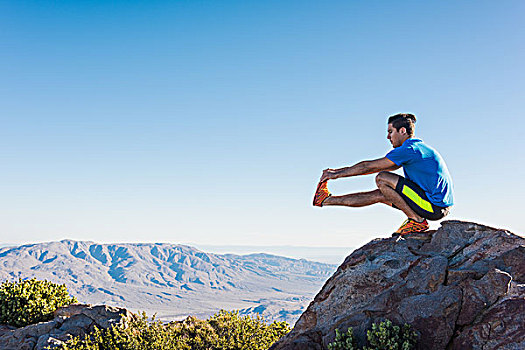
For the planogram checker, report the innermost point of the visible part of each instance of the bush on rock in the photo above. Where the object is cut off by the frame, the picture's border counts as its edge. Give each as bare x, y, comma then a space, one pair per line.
224, 330
382, 336
26, 302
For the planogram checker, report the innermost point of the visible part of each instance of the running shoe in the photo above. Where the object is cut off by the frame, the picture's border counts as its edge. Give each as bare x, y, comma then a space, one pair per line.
321, 194
412, 226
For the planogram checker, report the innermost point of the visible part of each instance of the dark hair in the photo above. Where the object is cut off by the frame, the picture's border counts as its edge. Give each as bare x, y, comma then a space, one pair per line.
403, 120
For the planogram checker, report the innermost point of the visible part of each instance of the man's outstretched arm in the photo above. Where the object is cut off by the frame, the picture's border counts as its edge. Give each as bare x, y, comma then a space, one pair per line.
361, 168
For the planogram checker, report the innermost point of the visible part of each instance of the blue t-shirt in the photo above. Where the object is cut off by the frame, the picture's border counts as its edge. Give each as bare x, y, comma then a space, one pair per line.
423, 165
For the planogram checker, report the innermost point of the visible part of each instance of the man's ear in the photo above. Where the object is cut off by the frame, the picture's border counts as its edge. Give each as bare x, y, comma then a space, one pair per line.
403, 130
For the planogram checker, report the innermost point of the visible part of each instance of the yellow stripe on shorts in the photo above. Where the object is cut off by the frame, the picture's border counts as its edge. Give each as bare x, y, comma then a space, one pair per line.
407, 191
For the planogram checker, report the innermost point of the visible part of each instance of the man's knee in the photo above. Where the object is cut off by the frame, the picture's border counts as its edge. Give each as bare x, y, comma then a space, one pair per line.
381, 178
385, 178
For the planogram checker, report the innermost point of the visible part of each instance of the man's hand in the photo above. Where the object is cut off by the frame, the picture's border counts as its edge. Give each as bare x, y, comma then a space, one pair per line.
329, 174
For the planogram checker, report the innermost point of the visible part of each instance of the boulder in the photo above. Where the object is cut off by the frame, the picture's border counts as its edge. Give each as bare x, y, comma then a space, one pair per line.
460, 287
72, 320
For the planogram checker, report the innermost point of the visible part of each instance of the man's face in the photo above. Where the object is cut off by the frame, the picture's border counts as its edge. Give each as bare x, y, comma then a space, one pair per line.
396, 137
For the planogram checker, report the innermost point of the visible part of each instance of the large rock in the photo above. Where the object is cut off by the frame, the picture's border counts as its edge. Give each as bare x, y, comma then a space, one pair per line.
73, 320
460, 287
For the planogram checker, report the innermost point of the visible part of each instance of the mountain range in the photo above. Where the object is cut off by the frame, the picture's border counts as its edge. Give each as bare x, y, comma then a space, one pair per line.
170, 280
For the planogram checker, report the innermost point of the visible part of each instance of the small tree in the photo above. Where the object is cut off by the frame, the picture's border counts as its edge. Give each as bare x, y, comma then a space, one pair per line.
25, 302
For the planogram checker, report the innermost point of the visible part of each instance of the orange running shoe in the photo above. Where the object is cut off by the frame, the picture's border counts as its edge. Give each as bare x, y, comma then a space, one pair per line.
321, 194
412, 226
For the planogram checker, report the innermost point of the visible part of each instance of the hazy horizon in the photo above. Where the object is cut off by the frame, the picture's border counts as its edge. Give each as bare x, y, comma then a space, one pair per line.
329, 255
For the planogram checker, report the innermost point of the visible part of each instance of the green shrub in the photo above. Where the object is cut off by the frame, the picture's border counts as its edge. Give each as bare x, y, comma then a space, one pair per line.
137, 334
384, 336
31, 301
343, 341
224, 330
244, 332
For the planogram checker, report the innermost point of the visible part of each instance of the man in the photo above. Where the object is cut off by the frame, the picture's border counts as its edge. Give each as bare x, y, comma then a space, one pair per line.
426, 191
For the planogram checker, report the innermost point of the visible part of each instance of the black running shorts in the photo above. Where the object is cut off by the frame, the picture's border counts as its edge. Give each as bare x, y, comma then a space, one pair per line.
417, 200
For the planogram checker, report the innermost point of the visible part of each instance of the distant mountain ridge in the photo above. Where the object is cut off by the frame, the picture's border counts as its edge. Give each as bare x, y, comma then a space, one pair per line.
169, 279
325, 254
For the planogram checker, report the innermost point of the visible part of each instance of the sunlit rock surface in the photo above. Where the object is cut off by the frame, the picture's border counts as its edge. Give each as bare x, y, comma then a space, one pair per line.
460, 287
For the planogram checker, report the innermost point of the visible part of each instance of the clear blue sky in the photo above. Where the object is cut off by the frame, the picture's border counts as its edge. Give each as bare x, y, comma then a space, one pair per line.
211, 121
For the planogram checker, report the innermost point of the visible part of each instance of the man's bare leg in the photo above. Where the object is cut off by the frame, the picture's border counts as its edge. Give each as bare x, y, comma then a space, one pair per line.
387, 182
357, 199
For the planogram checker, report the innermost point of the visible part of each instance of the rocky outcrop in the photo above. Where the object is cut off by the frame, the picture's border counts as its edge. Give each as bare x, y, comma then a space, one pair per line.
73, 320
460, 287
